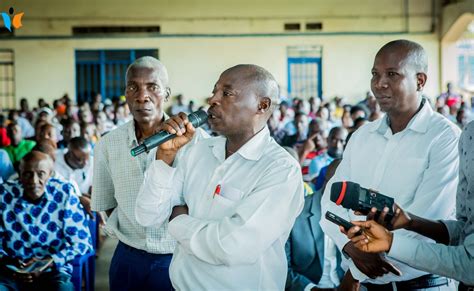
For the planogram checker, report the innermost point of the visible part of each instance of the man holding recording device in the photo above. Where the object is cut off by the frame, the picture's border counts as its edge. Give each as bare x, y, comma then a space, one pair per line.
409, 155
453, 255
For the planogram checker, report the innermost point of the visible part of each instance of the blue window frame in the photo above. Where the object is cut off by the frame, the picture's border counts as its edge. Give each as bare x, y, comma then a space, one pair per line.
304, 77
103, 71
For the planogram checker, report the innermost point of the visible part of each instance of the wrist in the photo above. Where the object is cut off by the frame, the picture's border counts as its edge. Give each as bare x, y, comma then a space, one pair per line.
347, 250
166, 156
390, 241
411, 225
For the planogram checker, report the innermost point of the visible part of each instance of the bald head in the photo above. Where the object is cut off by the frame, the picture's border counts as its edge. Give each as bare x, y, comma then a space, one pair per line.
150, 63
36, 157
415, 54
263, 83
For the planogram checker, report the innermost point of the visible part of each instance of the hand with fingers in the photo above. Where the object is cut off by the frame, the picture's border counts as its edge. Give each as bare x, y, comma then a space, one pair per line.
401, 219
371, 264
184, 130
11, 261
374, 238
309, 144
31, 276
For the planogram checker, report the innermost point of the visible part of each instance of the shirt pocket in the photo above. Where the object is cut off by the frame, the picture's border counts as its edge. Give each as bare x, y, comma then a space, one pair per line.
222, 207
231, 193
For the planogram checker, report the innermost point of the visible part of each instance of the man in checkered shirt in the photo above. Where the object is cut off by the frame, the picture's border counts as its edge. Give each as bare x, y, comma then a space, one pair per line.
143, 255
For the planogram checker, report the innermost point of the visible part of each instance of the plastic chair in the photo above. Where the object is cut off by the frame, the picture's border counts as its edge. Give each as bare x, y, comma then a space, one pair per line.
85, 265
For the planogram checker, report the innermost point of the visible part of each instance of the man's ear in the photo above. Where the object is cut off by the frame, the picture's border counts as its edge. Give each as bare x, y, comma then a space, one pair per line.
167, 93
420, 81
264, 104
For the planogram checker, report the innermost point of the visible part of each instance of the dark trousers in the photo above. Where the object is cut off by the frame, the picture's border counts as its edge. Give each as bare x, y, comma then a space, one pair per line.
52, 280
463, 287
132, 269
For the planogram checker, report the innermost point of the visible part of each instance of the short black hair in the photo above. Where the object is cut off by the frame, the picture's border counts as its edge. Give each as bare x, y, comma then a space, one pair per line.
79, 142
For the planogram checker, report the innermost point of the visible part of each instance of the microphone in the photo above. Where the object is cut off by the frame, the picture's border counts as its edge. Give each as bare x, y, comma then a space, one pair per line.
352, 196
196, 118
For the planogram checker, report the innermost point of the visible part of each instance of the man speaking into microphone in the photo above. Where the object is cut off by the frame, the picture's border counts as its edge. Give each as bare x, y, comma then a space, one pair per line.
410, 155
238, 194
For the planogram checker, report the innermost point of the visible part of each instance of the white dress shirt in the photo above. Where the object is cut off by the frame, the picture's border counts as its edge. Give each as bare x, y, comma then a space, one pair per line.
233, 240
83, 177
417, 166
456, 260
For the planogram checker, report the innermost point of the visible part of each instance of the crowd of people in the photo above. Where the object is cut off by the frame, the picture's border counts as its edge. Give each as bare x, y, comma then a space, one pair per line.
240, 202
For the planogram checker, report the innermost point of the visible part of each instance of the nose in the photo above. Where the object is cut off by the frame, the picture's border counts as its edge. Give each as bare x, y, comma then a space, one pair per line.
214, 100
380, 82
143, 95
35, 179
340, 144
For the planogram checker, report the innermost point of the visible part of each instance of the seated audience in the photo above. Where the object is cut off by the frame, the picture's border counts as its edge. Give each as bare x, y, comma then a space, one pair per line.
76, 165
6, 166
42, 219
70, 129
19, 147
4, 139
336, 141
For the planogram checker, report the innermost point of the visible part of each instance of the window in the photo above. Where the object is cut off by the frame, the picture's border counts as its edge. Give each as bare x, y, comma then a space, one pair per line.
99, 30
304, 71
466, 65
103, 71
7, 80
292, 26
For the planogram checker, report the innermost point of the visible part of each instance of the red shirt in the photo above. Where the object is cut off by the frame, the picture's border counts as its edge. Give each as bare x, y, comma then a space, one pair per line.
4, 139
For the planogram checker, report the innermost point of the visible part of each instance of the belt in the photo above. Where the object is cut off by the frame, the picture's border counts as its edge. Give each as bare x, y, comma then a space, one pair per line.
426, 281
463, 287
138, 251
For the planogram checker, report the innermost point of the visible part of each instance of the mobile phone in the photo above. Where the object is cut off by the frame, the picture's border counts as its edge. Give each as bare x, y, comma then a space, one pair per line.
338, 220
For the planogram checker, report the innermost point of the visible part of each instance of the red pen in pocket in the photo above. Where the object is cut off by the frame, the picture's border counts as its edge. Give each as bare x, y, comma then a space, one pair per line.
217, 191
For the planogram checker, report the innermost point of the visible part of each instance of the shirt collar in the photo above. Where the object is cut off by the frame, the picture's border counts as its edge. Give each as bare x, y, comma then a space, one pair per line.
251, 150
419, 122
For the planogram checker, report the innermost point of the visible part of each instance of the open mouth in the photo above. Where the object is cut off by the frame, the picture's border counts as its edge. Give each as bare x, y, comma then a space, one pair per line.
211, 115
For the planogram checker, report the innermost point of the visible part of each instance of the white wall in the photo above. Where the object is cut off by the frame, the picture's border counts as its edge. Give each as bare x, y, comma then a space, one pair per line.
46, 68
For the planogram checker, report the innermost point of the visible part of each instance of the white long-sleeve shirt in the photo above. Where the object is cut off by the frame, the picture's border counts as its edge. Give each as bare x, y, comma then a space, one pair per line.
234, 240
418, 167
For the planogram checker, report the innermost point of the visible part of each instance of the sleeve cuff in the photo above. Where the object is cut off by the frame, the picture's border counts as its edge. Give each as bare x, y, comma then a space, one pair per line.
356, 274
454, 228
161, 173
182, 228
309, 287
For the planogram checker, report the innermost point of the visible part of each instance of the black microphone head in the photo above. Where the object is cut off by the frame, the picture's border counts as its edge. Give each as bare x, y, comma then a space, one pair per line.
198, 118
345, 193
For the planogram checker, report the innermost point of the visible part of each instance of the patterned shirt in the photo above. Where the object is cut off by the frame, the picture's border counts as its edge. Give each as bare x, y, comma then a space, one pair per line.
54, 226
116, 182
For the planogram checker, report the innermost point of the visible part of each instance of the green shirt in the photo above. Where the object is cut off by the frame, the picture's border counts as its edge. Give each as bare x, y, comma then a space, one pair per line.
17, 153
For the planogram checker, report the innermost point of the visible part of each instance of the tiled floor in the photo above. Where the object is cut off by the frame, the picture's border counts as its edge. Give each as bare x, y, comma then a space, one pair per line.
102, 264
